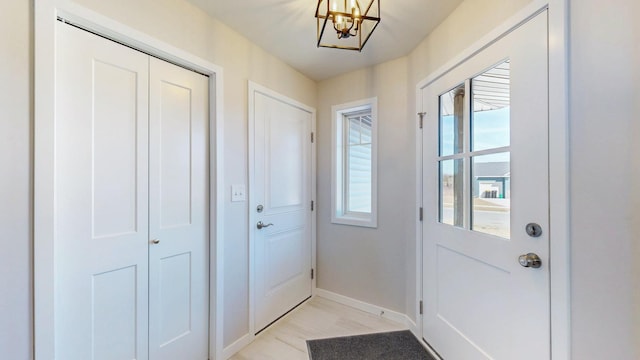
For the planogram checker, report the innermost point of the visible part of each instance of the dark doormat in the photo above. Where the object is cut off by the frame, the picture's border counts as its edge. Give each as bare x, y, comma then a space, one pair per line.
396, 345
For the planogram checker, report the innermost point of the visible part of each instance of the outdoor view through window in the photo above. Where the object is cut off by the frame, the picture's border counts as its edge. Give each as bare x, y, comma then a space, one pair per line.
478, 151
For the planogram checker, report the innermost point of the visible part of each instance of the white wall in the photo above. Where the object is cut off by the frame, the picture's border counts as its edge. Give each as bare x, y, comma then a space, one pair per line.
179, 24
16, 117
605, 181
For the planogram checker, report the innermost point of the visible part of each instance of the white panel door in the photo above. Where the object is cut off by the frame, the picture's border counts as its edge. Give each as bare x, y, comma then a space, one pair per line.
131, 248
282, 180
485, 171
101, 234
178, 213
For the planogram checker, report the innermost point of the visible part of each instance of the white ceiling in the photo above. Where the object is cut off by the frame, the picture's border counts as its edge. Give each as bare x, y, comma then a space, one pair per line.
287, 29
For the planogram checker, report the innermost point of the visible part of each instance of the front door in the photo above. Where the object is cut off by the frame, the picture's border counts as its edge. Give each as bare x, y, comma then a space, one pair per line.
486, 200
281, 206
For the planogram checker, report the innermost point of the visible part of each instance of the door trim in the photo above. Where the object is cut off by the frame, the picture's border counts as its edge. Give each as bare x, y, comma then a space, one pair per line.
253, 89
46, 14
559, 201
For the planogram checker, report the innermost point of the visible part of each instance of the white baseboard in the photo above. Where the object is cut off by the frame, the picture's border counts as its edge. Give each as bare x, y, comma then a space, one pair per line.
366, 307
412, 326
237, 345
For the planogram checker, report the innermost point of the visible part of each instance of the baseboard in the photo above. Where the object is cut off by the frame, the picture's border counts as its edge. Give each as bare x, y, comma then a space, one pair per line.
237, 345
412, 326
361, 305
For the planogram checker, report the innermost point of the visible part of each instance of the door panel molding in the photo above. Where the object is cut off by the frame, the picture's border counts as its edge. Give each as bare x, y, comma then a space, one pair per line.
46, 14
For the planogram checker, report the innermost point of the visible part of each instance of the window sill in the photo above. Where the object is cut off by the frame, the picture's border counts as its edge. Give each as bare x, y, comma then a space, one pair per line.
354, 221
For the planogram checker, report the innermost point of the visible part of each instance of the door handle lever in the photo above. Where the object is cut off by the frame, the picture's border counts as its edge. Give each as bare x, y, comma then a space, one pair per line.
260, 225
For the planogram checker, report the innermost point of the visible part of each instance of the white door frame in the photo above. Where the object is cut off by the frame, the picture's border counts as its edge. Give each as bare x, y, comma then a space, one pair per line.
253, 89
558, 12
46, 14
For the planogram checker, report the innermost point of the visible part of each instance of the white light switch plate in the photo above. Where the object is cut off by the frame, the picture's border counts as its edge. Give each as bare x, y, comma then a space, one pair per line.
238, 192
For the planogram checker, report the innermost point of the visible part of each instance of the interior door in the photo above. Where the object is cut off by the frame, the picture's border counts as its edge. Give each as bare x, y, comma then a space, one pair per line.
178, 213
101, 234
282, 208
486, 227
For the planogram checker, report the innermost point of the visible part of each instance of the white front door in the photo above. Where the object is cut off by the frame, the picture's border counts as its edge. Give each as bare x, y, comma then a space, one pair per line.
131, 167
485, 171
281, 201
178, 213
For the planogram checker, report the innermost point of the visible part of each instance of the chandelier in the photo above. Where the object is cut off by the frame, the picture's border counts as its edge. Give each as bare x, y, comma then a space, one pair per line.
352, 24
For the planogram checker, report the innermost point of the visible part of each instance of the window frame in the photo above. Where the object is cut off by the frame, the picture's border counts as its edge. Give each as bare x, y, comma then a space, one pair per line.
339, 183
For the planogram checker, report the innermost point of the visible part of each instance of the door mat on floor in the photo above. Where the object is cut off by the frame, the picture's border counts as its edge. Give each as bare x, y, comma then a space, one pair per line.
396, 345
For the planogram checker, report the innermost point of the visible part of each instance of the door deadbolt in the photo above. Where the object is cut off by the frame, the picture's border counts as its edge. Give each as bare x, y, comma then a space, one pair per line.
533, 229
260, 208
530, 260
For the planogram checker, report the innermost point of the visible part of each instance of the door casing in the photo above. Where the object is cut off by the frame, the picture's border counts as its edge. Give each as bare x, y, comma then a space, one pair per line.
47, 13
558, 12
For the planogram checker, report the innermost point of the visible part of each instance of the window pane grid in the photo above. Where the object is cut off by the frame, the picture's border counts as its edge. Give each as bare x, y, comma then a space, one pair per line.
479, 172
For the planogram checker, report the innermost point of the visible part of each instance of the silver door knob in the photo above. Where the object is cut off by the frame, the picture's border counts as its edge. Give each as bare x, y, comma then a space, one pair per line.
155, 241
260, 225
530, 260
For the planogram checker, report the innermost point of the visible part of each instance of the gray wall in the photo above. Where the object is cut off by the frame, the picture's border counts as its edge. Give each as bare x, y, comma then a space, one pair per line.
179, 24
605, 182
378, 266
605, 162
604, 172
187, 27
364, 263
16, 118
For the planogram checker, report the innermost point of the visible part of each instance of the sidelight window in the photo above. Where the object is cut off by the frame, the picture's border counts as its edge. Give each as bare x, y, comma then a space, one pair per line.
354, 163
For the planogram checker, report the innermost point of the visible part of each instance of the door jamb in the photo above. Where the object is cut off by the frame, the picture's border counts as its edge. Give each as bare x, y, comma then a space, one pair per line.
46, 13
254, 88
559, 200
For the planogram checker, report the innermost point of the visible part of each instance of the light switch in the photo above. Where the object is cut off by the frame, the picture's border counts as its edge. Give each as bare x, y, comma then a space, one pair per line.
238, 192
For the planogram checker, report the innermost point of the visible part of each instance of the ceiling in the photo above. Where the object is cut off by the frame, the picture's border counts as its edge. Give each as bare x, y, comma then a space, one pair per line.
287, 29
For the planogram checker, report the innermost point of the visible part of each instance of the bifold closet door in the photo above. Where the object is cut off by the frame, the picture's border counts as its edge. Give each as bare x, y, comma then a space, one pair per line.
101, 198
131, 190
178, 210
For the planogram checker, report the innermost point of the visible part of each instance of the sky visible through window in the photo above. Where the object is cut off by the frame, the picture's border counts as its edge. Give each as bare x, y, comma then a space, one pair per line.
490, 130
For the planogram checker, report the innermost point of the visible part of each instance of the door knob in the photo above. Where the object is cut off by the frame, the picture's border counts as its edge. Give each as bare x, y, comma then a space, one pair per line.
260, 225
155, 241
530, 260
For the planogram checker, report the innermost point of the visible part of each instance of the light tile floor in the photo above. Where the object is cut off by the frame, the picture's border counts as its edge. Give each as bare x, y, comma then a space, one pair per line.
318, 318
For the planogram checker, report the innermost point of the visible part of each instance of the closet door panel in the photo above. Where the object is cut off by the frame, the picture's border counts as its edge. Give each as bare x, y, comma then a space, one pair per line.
178, 188
101, 192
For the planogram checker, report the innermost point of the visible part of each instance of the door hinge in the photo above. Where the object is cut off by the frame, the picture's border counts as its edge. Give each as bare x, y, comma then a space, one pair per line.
312, 203
420, 307
312, 274
421, 212
421, 114
312, 137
